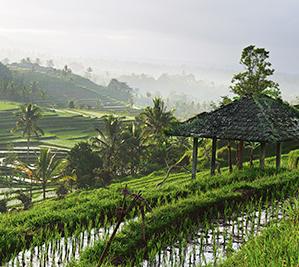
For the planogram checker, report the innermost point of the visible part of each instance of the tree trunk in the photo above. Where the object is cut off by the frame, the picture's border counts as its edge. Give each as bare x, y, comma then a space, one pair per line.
213, 159
194, 157
28, 161
44, 189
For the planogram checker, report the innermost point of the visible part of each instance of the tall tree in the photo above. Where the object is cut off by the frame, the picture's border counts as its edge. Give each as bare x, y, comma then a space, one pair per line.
50, 63
27, 122
83, 162
88, 73
108, 142
5, 80
132, 148
255, 78
161, 150
156, 120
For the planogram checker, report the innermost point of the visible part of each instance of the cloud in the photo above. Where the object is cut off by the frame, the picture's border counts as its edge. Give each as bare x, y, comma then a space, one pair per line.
208, 32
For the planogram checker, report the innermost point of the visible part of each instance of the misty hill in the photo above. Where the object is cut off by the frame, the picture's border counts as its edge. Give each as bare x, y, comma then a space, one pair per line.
39, 84
168, 84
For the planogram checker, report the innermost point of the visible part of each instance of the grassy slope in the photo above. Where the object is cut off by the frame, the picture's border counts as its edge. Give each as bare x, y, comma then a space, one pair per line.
278, 245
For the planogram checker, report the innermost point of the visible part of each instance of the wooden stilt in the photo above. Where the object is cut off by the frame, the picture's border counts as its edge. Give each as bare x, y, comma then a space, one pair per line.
229, 157
278, 155
262, 155
213, 159
194, 157
240, 154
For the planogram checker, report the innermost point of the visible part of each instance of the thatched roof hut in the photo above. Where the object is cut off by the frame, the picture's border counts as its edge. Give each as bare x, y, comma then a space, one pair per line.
253, 118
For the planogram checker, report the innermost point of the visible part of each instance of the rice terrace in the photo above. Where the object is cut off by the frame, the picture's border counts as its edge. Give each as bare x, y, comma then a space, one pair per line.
128, 158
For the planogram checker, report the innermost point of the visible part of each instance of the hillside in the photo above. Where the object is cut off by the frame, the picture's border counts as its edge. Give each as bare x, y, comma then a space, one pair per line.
47, 85
62, 127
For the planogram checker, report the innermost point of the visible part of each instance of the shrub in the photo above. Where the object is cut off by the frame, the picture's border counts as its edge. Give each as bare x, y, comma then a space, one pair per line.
293, 161
84, 161
25, 199
3, 205
62, 191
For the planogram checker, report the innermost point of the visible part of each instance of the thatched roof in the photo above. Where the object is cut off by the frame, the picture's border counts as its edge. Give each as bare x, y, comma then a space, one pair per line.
258, 118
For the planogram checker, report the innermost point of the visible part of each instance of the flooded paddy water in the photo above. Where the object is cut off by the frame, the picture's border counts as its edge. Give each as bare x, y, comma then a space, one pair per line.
212, 242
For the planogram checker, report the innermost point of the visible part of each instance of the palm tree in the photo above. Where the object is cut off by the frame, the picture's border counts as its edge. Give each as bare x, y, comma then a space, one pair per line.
156, 119
108, 141
27, 120
132, 147
48, 167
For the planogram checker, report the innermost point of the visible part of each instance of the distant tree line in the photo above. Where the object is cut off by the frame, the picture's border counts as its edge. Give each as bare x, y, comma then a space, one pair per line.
16, 89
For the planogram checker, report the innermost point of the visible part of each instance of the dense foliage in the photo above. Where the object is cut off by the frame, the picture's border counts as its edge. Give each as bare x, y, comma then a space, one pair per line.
129, 148
254, 79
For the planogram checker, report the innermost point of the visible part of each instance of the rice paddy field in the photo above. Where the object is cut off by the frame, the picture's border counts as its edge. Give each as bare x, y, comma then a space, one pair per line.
63, 127
199, 222
231, 219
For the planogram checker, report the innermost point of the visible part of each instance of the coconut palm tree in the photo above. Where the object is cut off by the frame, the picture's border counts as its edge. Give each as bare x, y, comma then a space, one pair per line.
156, 119
48, 167
27, 120
108, 142
132, 148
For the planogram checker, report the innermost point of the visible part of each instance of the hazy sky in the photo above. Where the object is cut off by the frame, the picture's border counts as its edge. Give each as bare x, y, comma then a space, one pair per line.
209, 33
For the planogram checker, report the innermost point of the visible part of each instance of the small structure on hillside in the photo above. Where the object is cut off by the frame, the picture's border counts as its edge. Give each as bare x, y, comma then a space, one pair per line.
252, 118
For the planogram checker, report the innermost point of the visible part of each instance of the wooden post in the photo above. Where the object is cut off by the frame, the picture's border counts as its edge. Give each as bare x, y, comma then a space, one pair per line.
229, 157
213, 159
262, 155
194, 157
240, 154
278, 155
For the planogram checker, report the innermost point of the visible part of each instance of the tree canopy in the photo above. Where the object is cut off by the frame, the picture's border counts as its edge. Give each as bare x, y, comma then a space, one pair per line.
255, 78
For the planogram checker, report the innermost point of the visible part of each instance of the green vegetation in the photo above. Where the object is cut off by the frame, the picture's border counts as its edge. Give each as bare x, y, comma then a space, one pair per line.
293, 162
62, 128
128, 243
129, 206
278, 245
96, 208
27, 81
8, 105
254, 79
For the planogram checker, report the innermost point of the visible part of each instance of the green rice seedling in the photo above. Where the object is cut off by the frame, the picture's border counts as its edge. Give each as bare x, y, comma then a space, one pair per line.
214, 241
